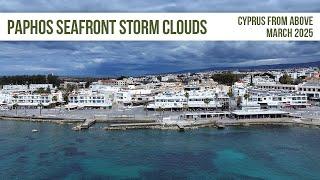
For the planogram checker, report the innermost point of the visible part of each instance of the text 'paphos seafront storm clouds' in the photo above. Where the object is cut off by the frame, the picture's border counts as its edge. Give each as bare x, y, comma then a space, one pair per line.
134, 58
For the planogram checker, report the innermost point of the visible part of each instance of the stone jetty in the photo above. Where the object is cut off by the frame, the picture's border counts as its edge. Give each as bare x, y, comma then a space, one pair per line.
85, 125
58, 120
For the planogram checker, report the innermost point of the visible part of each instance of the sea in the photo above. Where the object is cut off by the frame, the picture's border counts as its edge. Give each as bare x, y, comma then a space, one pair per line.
57, 152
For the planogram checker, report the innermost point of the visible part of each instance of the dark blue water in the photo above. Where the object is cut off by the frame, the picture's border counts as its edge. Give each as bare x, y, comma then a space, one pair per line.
57, 152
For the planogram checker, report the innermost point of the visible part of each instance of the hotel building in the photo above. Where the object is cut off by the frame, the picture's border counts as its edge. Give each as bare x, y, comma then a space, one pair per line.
88, 99
32, 100
311, 90
195, 100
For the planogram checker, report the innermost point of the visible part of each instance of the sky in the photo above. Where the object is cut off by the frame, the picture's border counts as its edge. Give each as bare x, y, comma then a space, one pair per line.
138, 58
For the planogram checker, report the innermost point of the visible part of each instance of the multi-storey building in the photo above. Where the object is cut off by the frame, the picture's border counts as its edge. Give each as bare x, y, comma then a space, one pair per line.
89, 99
5, 98
34, 87
187, 100
275, 99
32, 100
15, 88
311, 90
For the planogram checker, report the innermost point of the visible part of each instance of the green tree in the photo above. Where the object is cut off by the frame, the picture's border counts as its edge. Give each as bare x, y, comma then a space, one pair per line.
299, 80
187, 95
122, 77
145, 104
207, 101
227, 78
15, 106
185, 105
87, 85
286, 79
71, 87
160, 109
239, 100
40, 91
246, 97
40, 105
54, 98
66, 98
54, 80
251, 80
230, 94
48, 90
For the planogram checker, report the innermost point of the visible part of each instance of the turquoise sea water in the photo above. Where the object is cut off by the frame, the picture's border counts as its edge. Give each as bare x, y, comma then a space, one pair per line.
57, 152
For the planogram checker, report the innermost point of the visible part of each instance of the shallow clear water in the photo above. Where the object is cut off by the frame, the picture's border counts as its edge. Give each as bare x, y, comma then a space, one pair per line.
57, 152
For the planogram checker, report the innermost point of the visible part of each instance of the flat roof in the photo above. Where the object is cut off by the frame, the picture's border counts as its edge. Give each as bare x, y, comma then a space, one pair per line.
260, 112
206, 113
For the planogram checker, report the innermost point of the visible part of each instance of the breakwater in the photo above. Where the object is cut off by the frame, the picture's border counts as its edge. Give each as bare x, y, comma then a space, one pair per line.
58, 120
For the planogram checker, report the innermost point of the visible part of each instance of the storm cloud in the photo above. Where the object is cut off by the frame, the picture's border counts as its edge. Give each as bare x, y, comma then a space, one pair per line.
136, 58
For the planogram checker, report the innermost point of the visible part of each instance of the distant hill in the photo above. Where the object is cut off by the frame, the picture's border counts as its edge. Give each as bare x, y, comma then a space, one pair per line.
261, 67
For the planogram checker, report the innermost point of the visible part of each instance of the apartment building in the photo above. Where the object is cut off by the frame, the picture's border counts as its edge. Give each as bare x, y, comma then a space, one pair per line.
89, 99
195, 100
311, 90
15, 88
277, 100
29, 100
34, 87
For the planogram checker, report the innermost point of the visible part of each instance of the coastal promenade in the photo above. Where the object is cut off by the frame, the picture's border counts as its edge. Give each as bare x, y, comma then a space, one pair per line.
59, 120
137, 118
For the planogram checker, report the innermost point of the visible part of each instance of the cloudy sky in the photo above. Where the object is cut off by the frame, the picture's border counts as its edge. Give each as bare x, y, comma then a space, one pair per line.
136, 58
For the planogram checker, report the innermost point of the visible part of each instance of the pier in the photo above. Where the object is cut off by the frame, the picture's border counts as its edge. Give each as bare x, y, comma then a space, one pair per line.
181, 127
59, 120
125, 126
86, 125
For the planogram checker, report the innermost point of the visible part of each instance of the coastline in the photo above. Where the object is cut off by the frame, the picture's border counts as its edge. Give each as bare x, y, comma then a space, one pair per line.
58, 120
130, 124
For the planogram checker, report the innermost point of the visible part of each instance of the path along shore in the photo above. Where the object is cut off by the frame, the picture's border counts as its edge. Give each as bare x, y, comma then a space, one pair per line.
125, 123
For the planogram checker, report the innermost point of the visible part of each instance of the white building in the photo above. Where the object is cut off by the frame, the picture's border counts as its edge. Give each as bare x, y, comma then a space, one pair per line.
169, 101
258, 80
88, 99
276, 100
26, 88
239, 89
5, 98
136, 96
32, 100
15, 88
102, 88
123, 97
178, 101
311, 90
34, 87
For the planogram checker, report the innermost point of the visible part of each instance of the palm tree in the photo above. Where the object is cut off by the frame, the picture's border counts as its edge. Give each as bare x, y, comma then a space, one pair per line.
207, 101
239, 101
40, 108
160, 109
145, 108
230, 94
246, 97
251, 80
185, 105
187, 97
54, 98
15, 106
